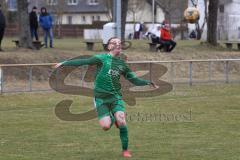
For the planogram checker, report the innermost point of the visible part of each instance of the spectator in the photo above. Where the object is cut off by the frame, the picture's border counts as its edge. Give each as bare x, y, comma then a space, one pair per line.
34, 22
142, 28
166, 39
2, 26
153, 33
138, 28
46, 21
193, 35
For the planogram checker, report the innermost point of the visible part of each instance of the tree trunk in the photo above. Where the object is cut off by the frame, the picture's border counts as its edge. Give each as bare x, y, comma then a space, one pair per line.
123, 18
4, 9
25, 40
59, 27
212, 22
199, 31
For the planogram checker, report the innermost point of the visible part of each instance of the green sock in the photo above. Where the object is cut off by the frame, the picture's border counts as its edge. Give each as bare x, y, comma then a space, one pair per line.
124, 136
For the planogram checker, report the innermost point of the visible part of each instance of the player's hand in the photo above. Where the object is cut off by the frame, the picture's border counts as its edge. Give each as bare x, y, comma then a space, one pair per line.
154, 85
58, 65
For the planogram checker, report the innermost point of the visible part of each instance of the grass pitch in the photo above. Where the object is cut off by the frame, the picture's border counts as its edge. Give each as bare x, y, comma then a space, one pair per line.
189, 123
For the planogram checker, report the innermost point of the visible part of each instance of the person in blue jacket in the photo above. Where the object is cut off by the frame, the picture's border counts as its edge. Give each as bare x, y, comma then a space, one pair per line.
46, 22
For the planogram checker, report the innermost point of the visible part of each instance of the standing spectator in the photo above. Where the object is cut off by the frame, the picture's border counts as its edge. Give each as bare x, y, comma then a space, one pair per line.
166, 39
46, 23
142, 28
137, 30
2, 26
34, 22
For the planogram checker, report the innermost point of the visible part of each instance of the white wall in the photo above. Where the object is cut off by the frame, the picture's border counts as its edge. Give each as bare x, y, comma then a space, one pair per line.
232, 10
142, 15
78, 18
229, 22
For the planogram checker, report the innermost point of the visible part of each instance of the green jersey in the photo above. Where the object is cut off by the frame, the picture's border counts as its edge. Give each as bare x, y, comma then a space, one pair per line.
107, 76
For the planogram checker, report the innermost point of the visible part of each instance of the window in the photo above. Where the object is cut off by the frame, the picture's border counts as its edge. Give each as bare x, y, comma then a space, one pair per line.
93, 18
72, 2
238, 32
84, 19
12, 5
221, 8
69, 19
51, 2
93, 2
98, 18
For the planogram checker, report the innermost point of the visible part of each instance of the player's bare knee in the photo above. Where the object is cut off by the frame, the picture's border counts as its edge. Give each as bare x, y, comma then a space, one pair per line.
105, 123
120, 118
121, 123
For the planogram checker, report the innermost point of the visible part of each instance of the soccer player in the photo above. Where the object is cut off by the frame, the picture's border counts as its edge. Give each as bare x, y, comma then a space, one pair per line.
107, 95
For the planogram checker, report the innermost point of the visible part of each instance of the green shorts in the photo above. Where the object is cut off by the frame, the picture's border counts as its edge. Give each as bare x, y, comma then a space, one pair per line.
105, 107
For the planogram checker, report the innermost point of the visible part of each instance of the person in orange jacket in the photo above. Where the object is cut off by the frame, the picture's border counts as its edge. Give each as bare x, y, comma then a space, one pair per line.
166, 39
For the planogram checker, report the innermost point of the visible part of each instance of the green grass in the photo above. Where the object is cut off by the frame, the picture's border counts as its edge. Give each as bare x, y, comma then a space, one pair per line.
29, 129
159, 127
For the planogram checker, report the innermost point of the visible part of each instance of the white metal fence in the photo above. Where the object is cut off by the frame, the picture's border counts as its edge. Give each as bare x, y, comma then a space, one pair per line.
34, 77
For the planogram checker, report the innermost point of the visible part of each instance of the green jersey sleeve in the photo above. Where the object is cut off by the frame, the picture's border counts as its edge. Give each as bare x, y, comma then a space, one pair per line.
80, 62
131, 76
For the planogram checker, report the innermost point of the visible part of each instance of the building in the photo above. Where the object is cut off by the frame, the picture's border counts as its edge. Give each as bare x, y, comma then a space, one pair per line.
87, 11
12, 5
229, 20
74, 11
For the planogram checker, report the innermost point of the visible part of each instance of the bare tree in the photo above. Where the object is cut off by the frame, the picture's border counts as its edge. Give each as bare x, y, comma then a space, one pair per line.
109, 6
212, 22
168, 6
58, 10
135, 6
124, 9
25, 40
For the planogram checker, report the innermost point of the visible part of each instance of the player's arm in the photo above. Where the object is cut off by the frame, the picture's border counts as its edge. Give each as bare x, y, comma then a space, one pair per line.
131, 76
80, 62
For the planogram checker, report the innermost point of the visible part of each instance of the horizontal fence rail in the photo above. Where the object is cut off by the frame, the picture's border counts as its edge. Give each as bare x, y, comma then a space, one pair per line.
34, 77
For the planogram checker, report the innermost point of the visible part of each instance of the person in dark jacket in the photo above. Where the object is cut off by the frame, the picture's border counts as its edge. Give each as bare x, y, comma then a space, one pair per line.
46, 23
34, 22
2, 26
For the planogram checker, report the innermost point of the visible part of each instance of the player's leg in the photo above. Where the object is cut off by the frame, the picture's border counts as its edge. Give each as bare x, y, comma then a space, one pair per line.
103, 113
120, 118
122, 125
105, 123
119, 113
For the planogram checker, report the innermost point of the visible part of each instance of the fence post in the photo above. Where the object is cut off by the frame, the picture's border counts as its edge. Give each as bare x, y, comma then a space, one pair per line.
1, 80
150, 71
226, 72
30, 79
172, 72
190, 73
209, 71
